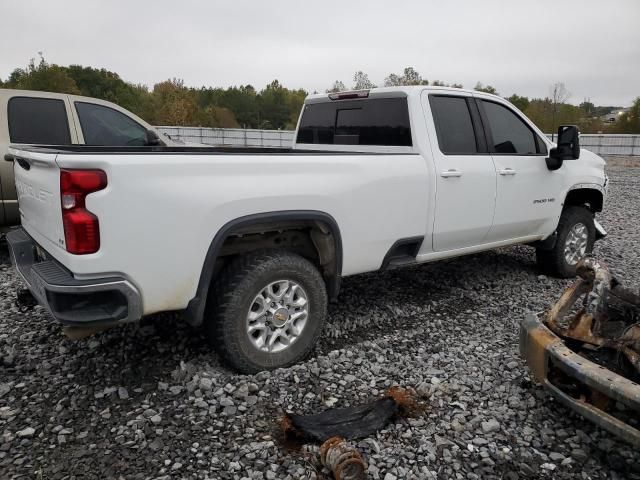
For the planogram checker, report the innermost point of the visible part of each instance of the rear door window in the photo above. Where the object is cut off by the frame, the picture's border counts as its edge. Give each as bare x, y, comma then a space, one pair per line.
105, 126
454, 127
374, 121
38, 121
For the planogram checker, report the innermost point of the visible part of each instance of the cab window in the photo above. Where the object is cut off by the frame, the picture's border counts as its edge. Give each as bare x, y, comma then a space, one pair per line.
106, 126
509, 133
38, 121
454, 127
374, 121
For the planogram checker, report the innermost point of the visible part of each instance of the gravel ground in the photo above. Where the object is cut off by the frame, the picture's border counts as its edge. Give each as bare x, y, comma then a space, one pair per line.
150, 401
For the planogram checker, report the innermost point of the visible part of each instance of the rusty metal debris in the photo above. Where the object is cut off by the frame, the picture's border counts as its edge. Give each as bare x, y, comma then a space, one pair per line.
605, 303
334, 426
586, 350
342, 459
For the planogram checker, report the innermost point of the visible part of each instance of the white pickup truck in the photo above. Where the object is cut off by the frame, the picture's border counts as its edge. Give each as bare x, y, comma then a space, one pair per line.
251, 243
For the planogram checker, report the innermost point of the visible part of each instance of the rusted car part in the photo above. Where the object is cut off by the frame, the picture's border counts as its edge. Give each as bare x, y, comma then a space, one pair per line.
332, 427
604, 298
605, 324
352, 422
343, 460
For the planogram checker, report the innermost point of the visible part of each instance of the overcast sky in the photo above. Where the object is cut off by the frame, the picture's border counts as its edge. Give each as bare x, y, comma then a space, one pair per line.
593, 46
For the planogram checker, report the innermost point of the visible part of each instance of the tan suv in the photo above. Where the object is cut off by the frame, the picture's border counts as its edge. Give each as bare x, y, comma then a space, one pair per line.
44, 118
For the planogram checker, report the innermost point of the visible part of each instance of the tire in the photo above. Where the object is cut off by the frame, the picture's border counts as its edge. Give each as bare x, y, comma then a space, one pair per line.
245, 288
554, 261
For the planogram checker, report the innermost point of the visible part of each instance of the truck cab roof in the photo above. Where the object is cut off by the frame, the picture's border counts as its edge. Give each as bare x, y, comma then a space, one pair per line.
386, 92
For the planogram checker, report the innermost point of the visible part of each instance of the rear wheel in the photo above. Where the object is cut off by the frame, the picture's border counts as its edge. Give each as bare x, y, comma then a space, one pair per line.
266, 311
576, 235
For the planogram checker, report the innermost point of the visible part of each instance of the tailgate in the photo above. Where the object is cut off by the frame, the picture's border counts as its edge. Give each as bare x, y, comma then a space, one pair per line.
37, 178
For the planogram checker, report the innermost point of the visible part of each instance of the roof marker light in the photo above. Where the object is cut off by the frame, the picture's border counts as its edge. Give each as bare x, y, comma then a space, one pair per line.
349, 95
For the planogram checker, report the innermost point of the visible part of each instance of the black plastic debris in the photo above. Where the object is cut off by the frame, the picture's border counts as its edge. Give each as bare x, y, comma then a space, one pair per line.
349, 423
352, 422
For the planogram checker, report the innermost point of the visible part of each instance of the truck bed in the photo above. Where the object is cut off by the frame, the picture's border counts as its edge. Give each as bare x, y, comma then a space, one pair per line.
163, 206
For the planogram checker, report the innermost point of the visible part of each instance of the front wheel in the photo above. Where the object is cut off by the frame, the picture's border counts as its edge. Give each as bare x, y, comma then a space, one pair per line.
266, 311
576, 234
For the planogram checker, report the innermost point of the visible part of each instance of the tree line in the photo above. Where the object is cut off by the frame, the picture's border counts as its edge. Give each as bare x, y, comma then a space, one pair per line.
276, 107
169, 102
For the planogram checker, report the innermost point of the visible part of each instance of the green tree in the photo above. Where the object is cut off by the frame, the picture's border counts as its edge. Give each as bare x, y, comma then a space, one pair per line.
274, 111
588, 108
539, 112
217, 117
98, 83
43, 77
361, 81
521, 103
409, 77
242, 101
485, 88
337, 86
173, 104
106, 85
547, 115
295, 100
276, 106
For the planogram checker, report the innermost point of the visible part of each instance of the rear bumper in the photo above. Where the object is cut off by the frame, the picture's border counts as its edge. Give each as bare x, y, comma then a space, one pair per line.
70, 301
549, 359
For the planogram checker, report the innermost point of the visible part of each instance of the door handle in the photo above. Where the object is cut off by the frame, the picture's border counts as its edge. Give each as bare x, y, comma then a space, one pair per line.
452, 172
508, 171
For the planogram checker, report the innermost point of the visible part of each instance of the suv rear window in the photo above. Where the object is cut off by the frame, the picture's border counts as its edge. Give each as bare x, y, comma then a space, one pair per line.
375, 121
38, 120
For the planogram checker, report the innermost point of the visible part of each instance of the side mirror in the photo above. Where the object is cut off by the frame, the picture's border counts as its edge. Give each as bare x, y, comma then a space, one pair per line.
152, 139
568, 147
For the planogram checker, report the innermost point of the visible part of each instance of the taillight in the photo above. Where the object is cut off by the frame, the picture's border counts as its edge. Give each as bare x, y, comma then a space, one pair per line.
81, 227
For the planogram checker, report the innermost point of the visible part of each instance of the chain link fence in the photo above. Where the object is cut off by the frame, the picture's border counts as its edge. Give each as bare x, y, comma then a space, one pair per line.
627, 145
236, 137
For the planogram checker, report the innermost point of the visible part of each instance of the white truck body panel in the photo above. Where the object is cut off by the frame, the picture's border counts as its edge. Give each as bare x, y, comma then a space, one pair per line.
150, 219
161, 210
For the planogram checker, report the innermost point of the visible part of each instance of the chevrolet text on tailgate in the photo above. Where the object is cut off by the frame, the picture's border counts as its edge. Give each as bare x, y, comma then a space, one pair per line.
251, 243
